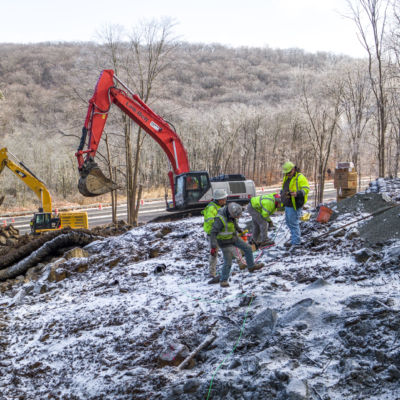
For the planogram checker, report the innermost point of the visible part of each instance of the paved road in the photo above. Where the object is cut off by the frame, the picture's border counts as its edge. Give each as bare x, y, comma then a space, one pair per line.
148, 210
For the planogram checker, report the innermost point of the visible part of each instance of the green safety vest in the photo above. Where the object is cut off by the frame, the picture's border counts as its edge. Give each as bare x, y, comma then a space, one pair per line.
265, 205
229, 229
298, 182
209, 214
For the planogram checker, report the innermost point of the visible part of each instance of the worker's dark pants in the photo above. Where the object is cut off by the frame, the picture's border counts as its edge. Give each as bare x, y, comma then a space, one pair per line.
292, 218
260, 225
228, 252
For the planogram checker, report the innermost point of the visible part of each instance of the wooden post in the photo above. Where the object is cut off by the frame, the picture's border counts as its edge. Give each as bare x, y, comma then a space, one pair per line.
208, 340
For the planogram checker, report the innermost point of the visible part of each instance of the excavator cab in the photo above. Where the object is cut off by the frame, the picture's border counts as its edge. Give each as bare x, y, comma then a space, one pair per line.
190, 187
42, 221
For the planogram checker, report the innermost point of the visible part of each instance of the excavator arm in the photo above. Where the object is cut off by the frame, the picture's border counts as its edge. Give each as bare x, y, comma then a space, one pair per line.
28, 177
92, 181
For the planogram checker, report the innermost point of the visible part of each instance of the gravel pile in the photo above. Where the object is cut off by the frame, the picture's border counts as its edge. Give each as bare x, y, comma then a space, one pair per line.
381, 200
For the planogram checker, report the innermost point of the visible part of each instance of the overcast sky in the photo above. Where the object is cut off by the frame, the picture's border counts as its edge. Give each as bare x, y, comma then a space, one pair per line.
312, 25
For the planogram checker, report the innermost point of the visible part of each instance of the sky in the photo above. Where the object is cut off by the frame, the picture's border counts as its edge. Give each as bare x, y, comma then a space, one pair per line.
312, 25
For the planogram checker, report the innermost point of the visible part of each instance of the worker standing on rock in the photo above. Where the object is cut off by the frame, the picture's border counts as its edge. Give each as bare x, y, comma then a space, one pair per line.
209, 213
260, 209
224, 233
295, 189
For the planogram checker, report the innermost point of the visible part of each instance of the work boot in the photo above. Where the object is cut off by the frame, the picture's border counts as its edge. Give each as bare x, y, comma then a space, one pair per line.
295, 247
267, 242
242, 266
256, 267
213, 280
224, 284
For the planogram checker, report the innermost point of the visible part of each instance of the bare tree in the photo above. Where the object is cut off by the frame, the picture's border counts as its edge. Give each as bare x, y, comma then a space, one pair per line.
356, 106
323, 112
370, 17
151, 47
140, 61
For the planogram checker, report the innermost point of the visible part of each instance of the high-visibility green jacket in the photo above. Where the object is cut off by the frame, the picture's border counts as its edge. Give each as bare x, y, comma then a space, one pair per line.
209, 214
224, 229
228, 231
265, 205
298, 183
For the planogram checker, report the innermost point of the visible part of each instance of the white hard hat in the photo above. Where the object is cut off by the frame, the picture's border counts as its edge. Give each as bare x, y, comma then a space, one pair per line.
235, 210
220, 194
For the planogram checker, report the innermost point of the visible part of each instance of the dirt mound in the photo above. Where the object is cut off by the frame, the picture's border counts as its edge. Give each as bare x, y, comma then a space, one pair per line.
381, 200
17, 247
362, 203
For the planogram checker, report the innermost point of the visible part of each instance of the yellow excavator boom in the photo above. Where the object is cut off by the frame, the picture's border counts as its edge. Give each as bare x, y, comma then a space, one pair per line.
28, 177
44, 220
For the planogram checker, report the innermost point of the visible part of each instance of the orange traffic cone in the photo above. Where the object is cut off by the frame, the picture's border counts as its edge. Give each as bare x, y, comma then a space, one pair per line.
13, 220
5, 223
141, 202
100, 207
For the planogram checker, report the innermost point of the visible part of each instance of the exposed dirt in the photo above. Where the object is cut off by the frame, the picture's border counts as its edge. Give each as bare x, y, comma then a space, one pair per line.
18, 247
319, 322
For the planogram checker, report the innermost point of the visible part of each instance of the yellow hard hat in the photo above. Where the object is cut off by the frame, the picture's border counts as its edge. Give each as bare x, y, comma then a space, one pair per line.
287, 167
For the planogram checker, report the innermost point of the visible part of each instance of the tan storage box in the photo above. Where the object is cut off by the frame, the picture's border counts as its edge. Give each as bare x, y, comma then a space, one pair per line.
345, 179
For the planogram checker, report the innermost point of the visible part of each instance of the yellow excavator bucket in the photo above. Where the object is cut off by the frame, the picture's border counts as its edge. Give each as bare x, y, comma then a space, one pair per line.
94, 183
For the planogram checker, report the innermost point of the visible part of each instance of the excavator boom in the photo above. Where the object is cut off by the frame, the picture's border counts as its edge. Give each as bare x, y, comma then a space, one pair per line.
92, 181
28, 177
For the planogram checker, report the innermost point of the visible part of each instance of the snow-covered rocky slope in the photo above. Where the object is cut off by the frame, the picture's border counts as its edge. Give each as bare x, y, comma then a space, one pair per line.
115, 322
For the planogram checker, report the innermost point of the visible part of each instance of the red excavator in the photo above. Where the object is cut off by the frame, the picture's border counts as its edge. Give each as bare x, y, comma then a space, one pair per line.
190, 189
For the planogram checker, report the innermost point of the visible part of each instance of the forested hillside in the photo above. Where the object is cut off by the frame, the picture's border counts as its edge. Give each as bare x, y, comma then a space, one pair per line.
236, 110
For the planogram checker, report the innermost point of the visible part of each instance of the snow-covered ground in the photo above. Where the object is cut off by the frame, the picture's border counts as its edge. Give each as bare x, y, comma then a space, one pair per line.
322, 323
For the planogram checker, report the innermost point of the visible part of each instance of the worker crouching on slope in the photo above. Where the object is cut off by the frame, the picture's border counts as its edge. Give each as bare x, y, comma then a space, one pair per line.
260, 209
209, 213
224, 234
295, 189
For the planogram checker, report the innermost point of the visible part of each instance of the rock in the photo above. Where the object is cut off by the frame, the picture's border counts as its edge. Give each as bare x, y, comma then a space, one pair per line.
297, 390
234, 364
296, 311
11, 242
191, 386
300, 326
253, 366
282, 376
317, 284
173, 354
33, 274
263, 323
352, 234
394, 372
392, 254
77, 252
363, 255
56, 273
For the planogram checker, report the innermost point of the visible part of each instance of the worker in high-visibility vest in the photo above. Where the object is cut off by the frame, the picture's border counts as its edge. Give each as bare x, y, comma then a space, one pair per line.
210, 212
295, 189
224, 233
260, 209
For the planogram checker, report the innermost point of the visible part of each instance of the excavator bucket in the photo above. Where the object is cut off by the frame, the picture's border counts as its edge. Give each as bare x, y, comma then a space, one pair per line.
94, 183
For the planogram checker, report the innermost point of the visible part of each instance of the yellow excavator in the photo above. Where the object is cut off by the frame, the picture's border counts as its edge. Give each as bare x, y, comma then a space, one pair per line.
44, 220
